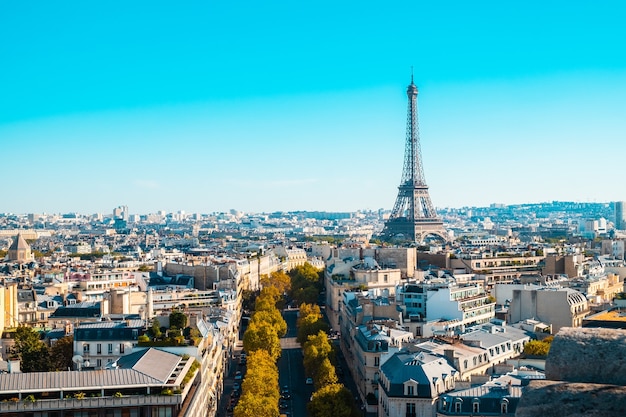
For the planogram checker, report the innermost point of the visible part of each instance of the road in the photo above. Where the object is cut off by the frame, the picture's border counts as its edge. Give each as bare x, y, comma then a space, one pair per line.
291, 369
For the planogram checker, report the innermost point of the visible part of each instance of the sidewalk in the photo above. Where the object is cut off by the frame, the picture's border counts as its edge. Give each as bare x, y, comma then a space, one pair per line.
229, 381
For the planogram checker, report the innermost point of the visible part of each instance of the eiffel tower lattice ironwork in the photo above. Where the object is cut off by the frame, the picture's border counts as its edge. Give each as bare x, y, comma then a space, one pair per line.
413, 217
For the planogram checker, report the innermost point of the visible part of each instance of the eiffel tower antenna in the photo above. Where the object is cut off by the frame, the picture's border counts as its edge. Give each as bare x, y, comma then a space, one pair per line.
413, 217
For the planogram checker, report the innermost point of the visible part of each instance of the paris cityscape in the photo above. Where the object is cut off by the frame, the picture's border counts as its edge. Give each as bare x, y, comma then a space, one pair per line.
329, 210
418, 313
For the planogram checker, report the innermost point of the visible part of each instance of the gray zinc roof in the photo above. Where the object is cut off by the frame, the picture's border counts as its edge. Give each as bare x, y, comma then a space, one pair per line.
73, 380
154, 363
421, 367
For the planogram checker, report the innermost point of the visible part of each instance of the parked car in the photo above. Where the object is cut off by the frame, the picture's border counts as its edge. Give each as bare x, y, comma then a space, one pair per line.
309, 381
285, 394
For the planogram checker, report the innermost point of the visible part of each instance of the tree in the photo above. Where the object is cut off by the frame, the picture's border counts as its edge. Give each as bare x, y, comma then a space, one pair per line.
309, 326
325, 374
272, 318
332, 400
538, 347
309, 309
155, 329
308, 294
254, 406
178, 319
261, 376
32, 352
259, 336
61, 354
316, 349
279, 280
268, 297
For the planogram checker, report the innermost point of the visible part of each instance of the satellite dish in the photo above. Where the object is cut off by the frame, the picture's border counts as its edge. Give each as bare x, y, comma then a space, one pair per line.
86, 363
78, 360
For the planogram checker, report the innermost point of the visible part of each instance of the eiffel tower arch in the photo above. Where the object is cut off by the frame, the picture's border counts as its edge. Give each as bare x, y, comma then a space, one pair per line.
413, 218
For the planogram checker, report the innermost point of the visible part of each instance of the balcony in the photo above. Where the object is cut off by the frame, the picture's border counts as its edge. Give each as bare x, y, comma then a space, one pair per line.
89, 402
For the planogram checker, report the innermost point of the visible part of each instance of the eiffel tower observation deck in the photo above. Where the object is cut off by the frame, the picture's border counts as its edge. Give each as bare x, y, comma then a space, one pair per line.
413, 218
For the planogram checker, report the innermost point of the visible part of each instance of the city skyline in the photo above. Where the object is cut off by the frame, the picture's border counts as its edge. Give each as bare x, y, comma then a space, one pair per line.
284, 107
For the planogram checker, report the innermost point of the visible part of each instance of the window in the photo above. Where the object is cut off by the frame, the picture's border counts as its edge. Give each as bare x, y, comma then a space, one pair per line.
99, 363
457, 406
385, 278
99, 348
110, 348
410, 410
121, 348
86, 347
376, 361
410, 390
475, 406
504, 407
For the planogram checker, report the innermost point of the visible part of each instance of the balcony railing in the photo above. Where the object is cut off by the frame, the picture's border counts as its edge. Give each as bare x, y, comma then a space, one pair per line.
90, 402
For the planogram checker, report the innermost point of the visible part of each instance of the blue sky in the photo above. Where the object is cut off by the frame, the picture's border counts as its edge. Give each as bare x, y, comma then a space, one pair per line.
278, 105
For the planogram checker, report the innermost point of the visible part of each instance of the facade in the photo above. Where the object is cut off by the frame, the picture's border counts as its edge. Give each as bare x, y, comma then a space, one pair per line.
74, 314
560, 307
370, 342
464, 305
498, 397
498, 268
499, 342
479, 349
620, 215
352, 274
147, 384
468, 360
411, 383
101, 344
212, 354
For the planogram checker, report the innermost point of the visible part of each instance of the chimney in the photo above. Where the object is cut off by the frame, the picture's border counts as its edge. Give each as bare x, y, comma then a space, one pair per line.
449, 354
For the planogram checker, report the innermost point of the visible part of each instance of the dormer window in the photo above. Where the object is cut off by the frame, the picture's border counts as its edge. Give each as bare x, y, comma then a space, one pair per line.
457, 405
410, 388
475, 405
504, 406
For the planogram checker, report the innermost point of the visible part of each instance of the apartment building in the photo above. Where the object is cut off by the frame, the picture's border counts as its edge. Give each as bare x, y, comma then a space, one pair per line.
152, 383
411, 383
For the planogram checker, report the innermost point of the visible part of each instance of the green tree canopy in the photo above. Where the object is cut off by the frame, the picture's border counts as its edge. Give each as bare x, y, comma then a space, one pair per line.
267, 299
260, 336
178, 319
279, 280
316, 349
251, 405
325, 374
309, 326
272, 318
32, 352
61, 354
333, 400
538, 347
261, 376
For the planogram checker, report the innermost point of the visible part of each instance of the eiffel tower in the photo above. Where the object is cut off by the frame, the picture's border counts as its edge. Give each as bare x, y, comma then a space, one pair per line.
413, 217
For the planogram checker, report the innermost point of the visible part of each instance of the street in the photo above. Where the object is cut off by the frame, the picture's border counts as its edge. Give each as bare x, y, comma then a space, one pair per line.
291, 369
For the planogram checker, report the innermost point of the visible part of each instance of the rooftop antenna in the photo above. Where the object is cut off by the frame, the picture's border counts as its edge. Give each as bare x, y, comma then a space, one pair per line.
411, 74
